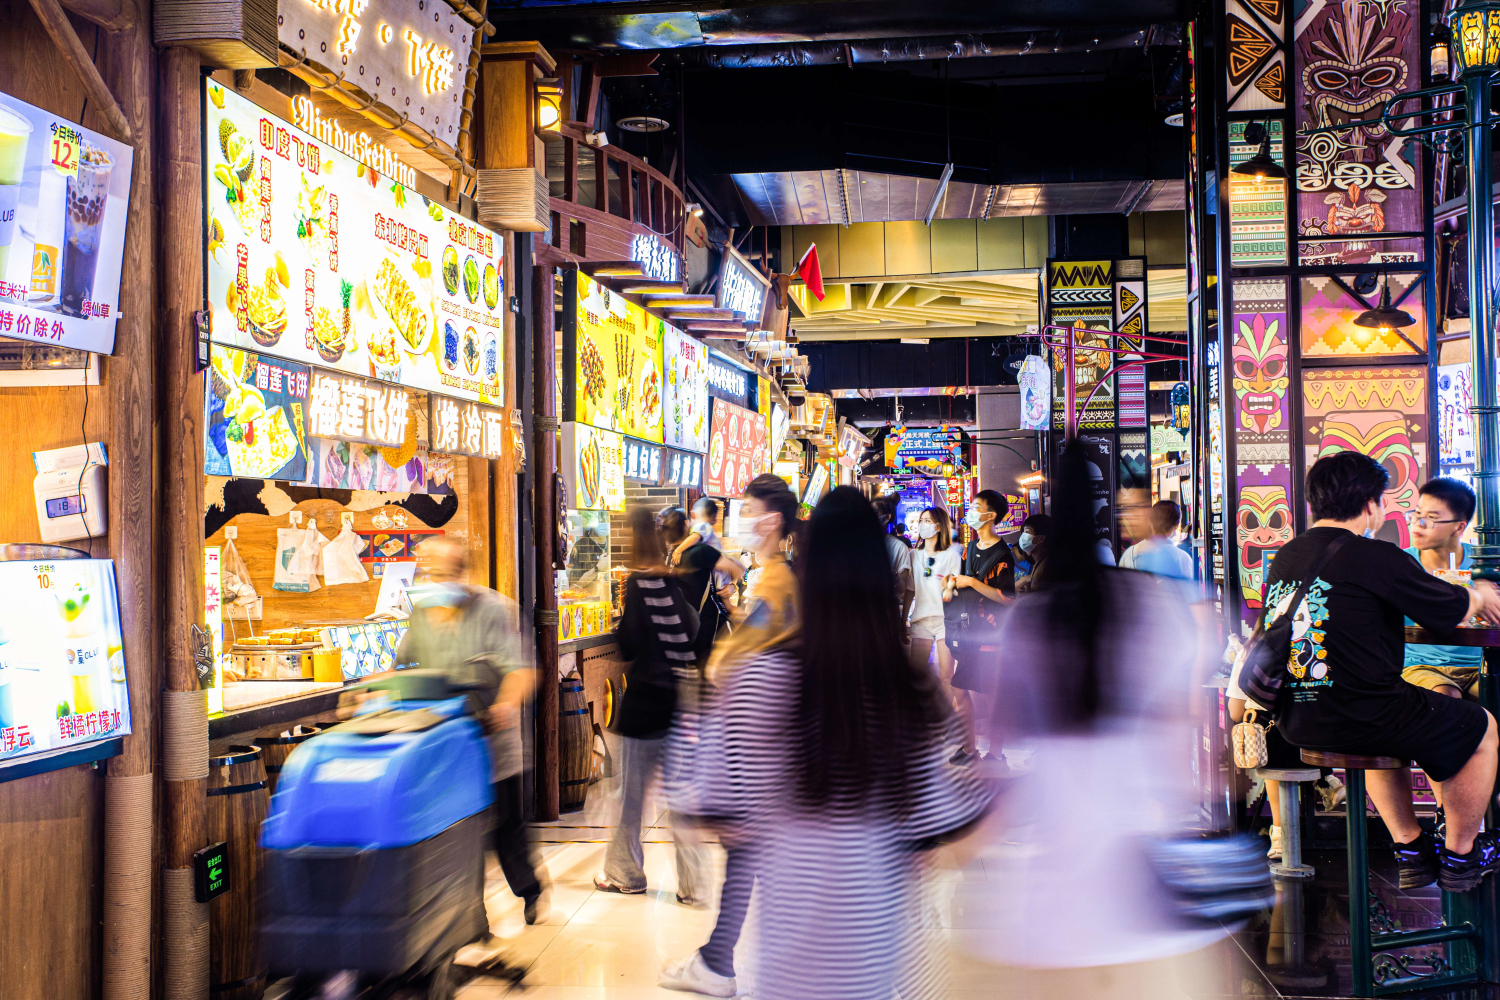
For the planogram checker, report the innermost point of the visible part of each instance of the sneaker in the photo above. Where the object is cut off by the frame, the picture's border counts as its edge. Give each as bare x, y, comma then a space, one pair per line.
693, 975
963, 758
603, 884
1417, 862
1275, 852
1463, 872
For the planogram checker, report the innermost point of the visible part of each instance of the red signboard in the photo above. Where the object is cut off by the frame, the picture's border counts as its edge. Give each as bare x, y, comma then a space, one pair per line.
737, 444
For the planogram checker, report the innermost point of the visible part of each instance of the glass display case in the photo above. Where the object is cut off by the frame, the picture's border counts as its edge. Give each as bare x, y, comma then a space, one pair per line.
584, 589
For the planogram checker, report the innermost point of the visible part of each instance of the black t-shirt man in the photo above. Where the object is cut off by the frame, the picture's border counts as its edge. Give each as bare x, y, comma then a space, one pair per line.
698, 564
1348, 639
970, 616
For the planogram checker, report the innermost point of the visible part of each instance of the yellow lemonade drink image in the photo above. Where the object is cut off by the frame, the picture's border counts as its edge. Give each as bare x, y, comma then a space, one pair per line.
15, 133
84, 649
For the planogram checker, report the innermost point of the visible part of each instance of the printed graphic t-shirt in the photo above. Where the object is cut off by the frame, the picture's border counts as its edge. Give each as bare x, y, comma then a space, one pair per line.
1348, 639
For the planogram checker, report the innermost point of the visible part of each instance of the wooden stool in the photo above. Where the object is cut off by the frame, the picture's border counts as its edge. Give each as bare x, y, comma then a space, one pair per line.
1460, 913
1290, 791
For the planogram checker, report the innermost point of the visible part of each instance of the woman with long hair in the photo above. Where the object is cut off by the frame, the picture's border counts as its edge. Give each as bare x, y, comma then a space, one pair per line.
1099, 672
825, 759
655, 637
768, 527
934, 562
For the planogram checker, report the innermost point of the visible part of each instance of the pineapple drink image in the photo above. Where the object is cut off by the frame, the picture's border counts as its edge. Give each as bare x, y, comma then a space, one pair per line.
84, 652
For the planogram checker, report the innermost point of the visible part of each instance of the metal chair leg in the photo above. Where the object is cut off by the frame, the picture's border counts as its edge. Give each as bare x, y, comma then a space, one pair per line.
1291, 865
1362, 975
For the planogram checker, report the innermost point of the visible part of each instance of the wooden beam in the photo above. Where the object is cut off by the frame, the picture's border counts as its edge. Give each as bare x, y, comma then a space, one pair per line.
717, 327
111, 15
60, 30
660, 300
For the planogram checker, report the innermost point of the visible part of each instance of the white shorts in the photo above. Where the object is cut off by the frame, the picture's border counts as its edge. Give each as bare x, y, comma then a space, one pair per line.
930, 627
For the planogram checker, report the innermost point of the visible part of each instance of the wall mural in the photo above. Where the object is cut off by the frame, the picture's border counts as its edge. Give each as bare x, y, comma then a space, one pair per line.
1330, 304
1256, 66
1130, 321
1353, 56
1263, 526
1257, 206
1080, 293
1381, 412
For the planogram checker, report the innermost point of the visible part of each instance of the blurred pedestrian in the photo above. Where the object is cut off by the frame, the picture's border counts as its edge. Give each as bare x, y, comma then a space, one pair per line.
936, 561
899, 552
672, 522
1158, 552
825, 759
1098, 673
655, 637
705, 574
975, 596
768, 527
1033, 546
472, 634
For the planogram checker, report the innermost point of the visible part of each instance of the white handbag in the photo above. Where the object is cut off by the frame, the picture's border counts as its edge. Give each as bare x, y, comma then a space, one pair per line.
1249, 742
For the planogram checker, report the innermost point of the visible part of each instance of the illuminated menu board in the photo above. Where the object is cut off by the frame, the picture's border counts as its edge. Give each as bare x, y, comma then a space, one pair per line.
618, 357
685, 399
737, 450
595, 478
319, 257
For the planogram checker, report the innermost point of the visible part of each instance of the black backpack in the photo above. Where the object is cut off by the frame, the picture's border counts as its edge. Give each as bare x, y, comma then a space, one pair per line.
1270, 647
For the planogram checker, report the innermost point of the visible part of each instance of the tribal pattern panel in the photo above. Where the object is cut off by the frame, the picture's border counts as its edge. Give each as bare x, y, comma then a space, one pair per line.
1381, 412
1255, 32
1257, 207
1263, 524
1331, 303
1131, 324
1080, 293
1260, 371
1353, 56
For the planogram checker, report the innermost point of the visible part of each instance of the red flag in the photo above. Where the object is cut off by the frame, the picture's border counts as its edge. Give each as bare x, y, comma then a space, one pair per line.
811, 274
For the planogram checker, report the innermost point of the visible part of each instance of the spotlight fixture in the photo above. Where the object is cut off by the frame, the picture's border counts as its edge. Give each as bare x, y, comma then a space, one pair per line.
1385, 317
643, 123
1261, 166
694, 209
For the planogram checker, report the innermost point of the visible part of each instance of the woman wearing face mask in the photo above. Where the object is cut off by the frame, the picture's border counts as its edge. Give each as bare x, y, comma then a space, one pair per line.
1033, 546
971, 621
768, 526
933, 564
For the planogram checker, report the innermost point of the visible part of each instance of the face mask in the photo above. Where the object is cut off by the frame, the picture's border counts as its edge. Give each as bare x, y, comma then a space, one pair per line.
435, 595
1027, 541
749, 536
926, 529
974, 518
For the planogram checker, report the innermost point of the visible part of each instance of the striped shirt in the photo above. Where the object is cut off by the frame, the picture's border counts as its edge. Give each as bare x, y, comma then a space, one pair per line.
838, 919
655, 635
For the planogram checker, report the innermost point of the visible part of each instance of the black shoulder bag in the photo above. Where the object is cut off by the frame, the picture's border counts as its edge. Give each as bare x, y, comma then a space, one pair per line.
1270, 647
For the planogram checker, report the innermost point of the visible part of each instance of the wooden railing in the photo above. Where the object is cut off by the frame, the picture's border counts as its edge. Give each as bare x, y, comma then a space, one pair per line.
603, 198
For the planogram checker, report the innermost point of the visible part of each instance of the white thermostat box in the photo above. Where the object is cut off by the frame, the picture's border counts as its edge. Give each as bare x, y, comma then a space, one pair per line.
71, 503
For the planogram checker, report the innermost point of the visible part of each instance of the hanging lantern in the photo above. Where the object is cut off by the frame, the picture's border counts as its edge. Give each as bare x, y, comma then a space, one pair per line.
1475, 30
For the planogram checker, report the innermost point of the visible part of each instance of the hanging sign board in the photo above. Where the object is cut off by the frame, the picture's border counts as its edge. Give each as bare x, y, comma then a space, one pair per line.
685, 392
815, 484
658, 260
256, 412
317, 256
726, 381
64, 198
405, 53
737, 450
595, 475
1035, 381
356, 409
462, 428
742, 287
642, 461
684, 469
618, 354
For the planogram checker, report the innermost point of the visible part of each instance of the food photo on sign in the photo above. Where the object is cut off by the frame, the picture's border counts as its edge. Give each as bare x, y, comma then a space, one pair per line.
685, 415
316, 256
256, 410
737, 449
64, 200
618, 349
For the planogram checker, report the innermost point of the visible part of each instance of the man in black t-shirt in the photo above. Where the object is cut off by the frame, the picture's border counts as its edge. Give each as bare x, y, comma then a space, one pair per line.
1345, 691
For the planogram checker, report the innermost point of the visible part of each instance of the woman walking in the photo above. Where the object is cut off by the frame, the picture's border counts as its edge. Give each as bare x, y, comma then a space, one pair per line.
933, 564
825, 759
768, 528
656, 638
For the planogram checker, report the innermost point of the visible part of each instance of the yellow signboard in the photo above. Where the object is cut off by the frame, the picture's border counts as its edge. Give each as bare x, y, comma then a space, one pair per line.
595, 478
618, 364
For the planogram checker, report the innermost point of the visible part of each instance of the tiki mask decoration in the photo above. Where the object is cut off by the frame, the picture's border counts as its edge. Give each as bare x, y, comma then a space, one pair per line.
1260, 373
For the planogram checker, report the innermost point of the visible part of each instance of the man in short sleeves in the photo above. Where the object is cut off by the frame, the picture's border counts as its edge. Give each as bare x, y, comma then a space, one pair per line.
1345, 691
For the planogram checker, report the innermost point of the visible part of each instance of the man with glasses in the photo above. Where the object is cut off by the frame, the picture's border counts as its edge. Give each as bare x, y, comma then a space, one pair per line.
1444, 509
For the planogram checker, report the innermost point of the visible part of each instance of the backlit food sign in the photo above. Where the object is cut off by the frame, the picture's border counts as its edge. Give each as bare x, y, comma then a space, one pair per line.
460, 428
256, 416
406, 54
685, 399
684, 469
618, 357
595, 477
658, 260
317, 256
64, 198
737, 449
727, 382
741, 287
62, 659
355, 409
642, 461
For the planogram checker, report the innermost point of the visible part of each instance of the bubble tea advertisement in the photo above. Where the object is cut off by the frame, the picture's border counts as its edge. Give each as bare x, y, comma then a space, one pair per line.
62, 661
64, 197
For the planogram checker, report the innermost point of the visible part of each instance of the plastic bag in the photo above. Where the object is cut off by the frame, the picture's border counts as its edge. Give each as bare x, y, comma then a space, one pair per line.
234, 577
297, 559
341, 559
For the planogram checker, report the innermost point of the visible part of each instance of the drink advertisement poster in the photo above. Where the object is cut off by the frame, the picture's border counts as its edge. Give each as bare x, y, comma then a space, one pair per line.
64, 198
62, 661
257, 412
595, 479
319, 251
686, 399
737, 450
618, 351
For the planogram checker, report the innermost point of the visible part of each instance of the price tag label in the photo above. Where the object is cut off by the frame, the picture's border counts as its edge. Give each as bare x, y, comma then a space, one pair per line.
64, 150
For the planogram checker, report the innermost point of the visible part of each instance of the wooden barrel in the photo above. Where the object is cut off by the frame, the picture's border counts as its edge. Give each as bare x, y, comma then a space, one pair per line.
575, 744
276, 745
237, 801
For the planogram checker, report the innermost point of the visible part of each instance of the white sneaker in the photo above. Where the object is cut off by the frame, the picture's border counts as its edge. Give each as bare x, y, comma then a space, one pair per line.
693, 975
1275, 852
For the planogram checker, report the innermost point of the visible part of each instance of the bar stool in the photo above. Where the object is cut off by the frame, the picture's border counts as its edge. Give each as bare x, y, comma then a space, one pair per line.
1290, 792
1460, 914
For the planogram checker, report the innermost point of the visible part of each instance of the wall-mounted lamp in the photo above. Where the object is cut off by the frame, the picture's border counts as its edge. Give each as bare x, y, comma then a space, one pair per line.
695, 210
548, 105
1260, 166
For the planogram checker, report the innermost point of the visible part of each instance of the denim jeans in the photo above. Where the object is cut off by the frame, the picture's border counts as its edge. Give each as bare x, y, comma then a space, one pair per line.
640, 760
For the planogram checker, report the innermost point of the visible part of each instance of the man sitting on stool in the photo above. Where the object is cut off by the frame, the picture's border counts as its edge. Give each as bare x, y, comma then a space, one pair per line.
1345, 693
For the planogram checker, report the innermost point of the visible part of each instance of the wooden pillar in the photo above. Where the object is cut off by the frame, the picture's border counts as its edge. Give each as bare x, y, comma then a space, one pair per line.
184, 714
544, 452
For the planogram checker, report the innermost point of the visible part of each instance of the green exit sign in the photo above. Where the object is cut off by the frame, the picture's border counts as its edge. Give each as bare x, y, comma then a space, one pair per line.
211, 871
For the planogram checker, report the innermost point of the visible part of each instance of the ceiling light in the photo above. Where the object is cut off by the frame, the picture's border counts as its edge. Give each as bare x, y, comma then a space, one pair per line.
1261, 166
643, 123
695, 209
1175, 120
1386, 317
